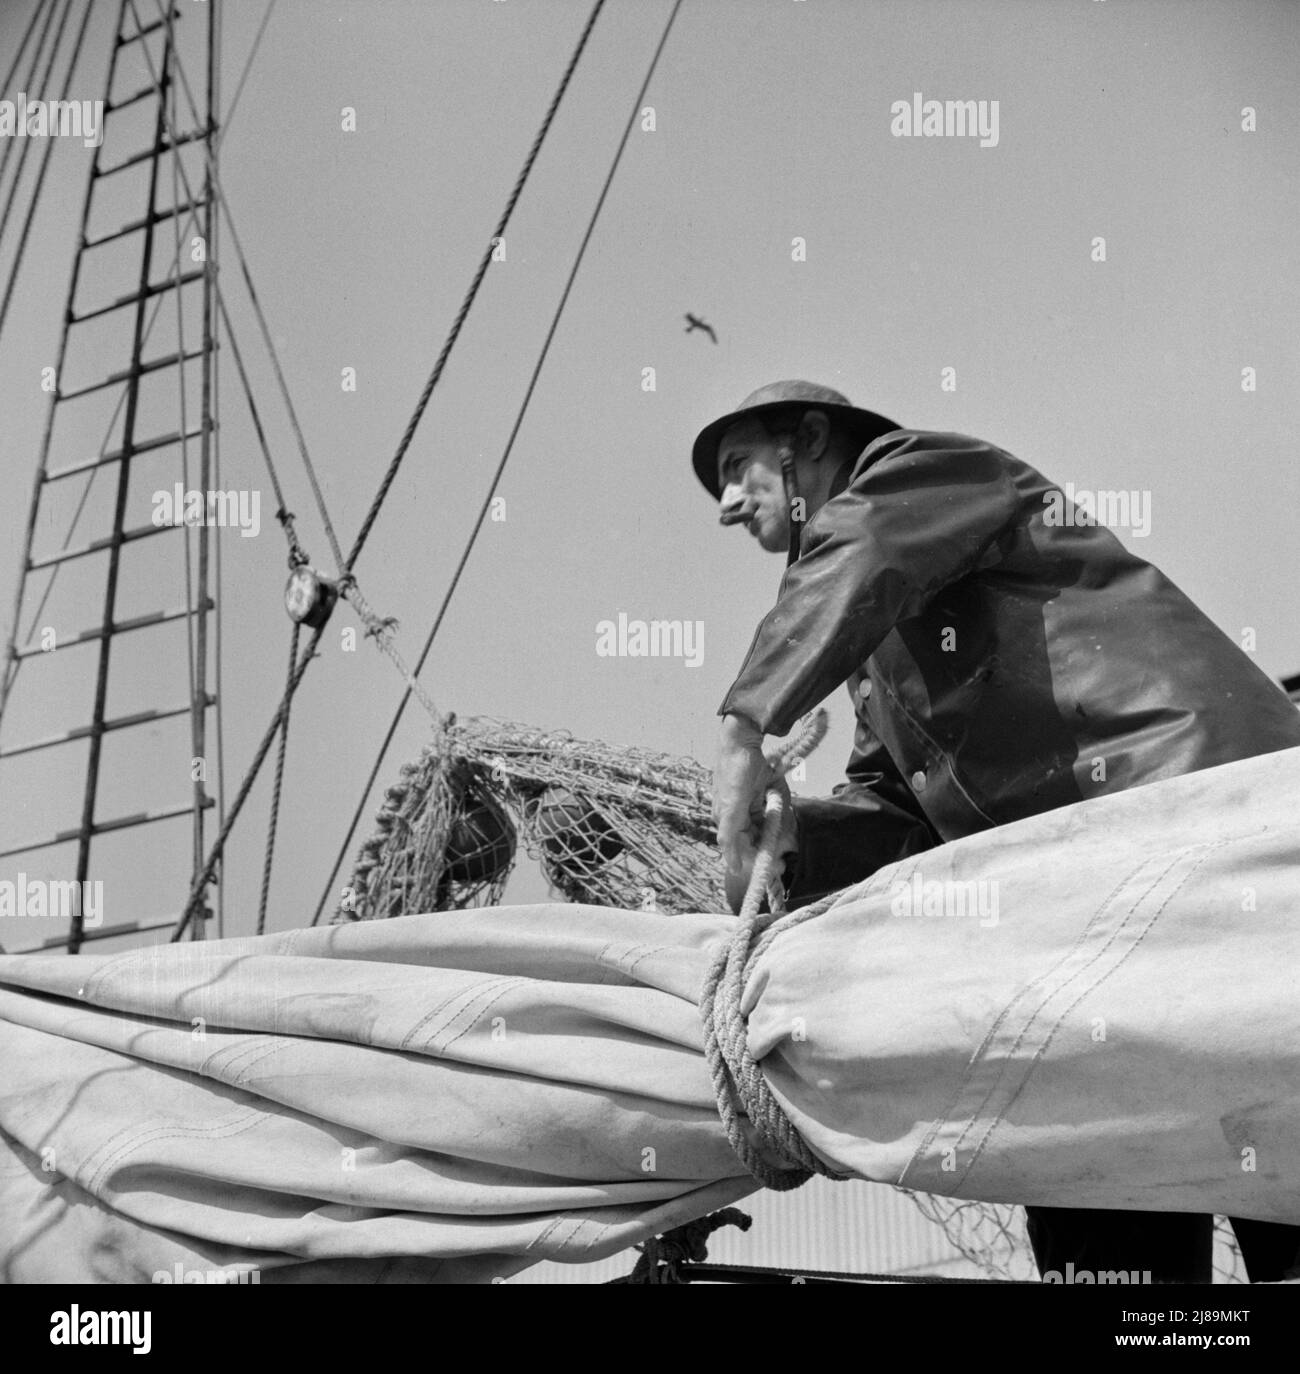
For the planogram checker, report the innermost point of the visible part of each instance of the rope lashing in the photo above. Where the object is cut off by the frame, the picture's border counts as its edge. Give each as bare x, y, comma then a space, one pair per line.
297, 554
380, 629
780, 1159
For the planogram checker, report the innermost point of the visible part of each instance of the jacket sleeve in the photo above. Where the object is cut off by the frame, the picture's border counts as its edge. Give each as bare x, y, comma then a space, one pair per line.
918, 515
868, 821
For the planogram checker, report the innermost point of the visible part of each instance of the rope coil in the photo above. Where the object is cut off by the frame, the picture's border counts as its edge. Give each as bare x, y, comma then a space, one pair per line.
776, 1155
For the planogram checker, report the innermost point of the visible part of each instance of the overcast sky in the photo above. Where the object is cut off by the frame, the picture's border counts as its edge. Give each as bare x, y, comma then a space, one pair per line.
1116, 120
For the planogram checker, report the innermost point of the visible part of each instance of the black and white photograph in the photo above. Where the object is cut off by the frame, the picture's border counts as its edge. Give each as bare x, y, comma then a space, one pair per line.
650, 642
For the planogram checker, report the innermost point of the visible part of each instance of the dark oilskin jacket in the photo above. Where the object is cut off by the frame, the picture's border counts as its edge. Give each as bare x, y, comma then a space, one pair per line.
999, 665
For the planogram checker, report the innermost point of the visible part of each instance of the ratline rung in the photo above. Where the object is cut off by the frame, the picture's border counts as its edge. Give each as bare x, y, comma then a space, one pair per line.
143, 93
109, 932
104, 827
99, 545
133, 297
119, 723
153, 365
135, 225
124, 41
135, 622
165, 146
116, 456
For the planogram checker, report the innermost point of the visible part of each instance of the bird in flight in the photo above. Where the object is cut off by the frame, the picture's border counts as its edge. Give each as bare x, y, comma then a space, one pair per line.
693, 322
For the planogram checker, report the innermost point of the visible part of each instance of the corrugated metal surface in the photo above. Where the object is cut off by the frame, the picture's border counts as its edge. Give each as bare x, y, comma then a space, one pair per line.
852, 1226
859, 1227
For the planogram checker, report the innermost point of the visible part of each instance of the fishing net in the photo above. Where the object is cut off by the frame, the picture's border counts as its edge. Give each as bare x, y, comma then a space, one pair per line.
609, 825
993, 1236
620, 827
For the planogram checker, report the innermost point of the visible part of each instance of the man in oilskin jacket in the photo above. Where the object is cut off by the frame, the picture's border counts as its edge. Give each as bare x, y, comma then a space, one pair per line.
1004, 657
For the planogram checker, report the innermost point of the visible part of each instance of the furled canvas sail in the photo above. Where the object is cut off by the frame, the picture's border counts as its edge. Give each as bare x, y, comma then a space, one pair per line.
1094, 1007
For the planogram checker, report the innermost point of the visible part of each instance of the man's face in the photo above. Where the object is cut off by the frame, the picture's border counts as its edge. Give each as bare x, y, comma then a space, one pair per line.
753, 492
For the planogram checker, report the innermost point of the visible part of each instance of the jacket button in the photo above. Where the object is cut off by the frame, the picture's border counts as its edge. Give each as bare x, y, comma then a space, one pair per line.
918, 780
864, 688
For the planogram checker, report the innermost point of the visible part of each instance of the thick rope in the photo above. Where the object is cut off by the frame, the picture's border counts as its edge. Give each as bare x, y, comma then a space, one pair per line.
276, 790
208, 875
347, 582
297, 554
500, 469
405, 442
345, 566
780, 1159
380, 629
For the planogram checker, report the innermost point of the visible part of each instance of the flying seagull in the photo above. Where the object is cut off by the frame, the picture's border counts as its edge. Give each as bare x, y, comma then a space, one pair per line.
693, 322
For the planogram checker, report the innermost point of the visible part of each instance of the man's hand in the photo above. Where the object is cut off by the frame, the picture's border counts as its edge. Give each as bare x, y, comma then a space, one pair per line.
740, 782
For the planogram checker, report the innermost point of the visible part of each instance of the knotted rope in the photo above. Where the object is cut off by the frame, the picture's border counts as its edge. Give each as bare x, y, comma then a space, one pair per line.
780, 1159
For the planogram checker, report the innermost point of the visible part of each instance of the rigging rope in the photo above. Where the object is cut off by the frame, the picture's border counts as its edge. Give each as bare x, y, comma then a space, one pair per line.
44, 165
276, 790
7, 84
13, 665
218, 845
27, 142
500, 469
248, 67
347, 583
242, 262
405, 442
50, 7
297, 555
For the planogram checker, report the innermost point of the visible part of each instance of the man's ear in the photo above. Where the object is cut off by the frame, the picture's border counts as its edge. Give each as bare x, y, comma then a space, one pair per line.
814, 433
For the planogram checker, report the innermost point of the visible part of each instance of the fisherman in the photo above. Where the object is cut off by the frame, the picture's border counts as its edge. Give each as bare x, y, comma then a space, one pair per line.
1001, 662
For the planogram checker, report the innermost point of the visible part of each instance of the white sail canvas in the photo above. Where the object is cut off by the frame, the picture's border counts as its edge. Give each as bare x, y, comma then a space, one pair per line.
451, 1097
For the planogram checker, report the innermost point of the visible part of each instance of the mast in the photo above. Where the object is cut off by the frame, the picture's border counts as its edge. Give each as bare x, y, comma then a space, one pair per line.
198, 702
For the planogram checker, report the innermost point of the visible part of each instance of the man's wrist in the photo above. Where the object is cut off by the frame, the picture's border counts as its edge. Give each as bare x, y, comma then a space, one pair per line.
741, 730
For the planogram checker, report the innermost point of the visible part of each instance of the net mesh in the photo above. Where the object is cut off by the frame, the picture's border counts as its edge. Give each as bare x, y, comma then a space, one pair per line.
621, 827
610, 825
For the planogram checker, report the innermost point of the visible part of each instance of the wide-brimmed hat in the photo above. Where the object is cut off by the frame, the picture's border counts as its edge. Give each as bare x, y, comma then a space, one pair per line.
865, 425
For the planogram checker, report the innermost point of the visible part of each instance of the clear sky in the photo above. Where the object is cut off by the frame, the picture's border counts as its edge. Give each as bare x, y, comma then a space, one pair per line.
773, 122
